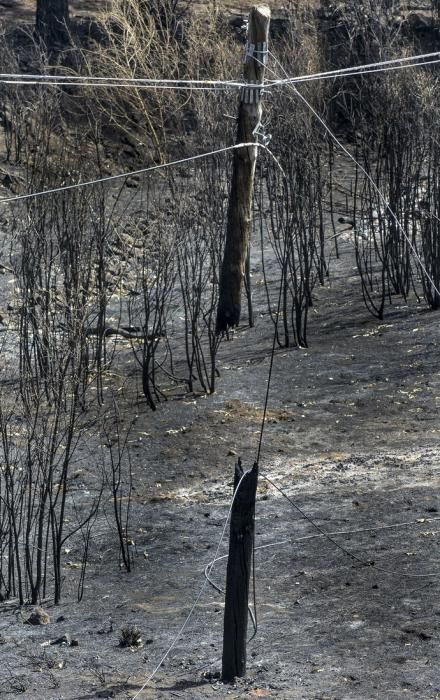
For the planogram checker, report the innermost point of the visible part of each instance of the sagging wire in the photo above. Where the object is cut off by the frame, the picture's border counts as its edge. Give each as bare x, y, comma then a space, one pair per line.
330, 538
319, 535
290, 82
365, 172
160, 166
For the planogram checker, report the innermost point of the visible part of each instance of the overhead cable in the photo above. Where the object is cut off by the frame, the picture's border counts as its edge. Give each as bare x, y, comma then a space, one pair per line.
141, 171
96, 80
354, 70
209, 84
367, 175
119, 84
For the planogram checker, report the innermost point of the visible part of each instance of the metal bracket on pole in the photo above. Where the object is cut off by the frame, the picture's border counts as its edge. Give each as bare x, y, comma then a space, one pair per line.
260, 133
258, 51
251, 94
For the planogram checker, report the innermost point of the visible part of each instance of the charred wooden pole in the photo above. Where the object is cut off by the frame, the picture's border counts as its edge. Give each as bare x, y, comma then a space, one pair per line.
240, 198
241, 542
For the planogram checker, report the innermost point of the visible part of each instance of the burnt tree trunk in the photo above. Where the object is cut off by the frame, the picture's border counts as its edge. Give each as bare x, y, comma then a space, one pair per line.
240, 198
52, 22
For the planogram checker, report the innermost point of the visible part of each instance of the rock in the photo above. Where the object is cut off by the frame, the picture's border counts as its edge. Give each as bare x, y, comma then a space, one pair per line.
418, 21
107, 692
232, 453
38, 616
64, 641
345, 220
7, 181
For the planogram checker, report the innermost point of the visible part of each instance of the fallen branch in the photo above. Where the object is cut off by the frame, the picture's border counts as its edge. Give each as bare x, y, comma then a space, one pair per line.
128, 332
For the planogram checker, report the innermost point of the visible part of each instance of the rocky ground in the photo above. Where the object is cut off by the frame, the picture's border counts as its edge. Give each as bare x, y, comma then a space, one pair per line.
352, 437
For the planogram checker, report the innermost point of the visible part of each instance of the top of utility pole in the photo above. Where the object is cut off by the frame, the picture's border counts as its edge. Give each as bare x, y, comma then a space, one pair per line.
259, 17
262, 9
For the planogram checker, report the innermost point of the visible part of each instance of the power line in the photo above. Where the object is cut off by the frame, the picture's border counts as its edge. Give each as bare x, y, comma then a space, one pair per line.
356, 70
386, 65
209, 84
272, 353
119, 84
367, 175
307, 79
94, 80
152, 168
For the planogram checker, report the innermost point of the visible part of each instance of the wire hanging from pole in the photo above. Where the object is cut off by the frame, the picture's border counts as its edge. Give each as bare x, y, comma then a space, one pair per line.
160, 166
369, 178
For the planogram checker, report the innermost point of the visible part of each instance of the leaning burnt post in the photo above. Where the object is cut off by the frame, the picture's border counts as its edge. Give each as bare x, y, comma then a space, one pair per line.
241, 542
242, 184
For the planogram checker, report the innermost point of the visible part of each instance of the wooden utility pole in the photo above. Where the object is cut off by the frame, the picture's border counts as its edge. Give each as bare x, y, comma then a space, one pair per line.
241, 542
240, 198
